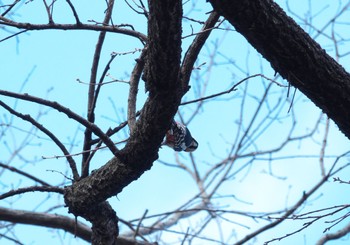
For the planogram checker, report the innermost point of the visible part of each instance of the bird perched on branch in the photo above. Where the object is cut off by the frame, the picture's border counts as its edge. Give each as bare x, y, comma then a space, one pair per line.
179, 138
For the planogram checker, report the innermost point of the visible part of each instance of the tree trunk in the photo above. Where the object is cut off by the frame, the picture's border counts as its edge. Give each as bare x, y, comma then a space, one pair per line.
293, 54
86, 198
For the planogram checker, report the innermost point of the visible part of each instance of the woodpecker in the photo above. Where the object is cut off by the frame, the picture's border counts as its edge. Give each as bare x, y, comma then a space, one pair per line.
179, 138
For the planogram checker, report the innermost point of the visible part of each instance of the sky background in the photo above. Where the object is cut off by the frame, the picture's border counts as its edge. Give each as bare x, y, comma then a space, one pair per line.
47, 64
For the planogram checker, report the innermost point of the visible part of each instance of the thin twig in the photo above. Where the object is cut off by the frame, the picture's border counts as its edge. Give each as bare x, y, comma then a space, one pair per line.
49, 14
28, 118
13, 35
140, 222
97, 148
94, 92
323, 148
101, 84
95, 129
74, 12
32, 189
10, 7
233, 88
29, 176
134, 84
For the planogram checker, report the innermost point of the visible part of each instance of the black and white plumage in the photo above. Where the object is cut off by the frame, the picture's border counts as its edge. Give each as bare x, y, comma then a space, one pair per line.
179, 138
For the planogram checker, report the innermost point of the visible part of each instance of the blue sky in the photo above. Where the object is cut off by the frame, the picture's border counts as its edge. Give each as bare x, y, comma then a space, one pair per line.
51, 62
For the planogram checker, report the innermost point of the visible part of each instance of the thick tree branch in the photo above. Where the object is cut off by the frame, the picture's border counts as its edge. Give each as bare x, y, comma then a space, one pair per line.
86, 197
293, 54
104, 224
47, 220
56, 221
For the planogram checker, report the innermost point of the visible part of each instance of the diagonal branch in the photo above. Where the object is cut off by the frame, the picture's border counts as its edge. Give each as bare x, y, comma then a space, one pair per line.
196, 46
163, 78
299, 203
10, 7
29, 176
305, 196
293, 54
28, 118
95, 129
13, 35
78, 22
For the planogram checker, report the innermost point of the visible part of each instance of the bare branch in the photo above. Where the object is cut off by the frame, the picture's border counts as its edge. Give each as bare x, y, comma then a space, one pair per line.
74, 12
96, 148
55, 26
115, 130
32, 189
334, 236
94, 92
49, 12
95, 129
157, 114
12, 240
47, 220
140, 222
323, 148
252, 134
196, 46
10, 7
13, 35
56, 221
24, 174
305, 196
134, 84
233, 88
284, 53
28, 118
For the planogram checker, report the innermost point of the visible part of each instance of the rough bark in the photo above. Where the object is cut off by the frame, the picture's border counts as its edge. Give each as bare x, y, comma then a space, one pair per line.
46, 220
290, 50
72, 226
293, 54
87, 197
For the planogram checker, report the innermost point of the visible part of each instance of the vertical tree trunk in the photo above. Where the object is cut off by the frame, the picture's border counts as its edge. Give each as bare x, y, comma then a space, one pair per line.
87, 197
